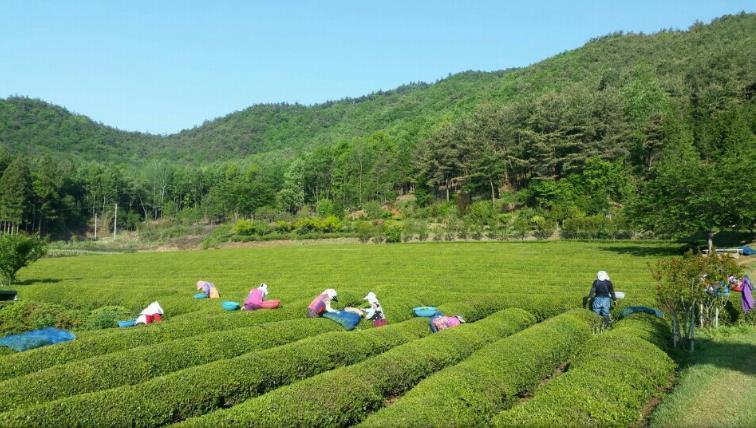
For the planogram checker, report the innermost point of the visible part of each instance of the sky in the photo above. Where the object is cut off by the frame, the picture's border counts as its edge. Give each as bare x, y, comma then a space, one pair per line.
162, 66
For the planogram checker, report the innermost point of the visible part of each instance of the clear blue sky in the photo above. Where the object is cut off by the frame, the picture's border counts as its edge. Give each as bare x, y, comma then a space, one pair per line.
162, 66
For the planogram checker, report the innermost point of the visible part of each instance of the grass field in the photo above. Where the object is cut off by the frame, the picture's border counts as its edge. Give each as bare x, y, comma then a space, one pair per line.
209, 367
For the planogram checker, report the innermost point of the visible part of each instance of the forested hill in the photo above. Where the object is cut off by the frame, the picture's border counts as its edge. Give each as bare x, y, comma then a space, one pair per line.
711, 65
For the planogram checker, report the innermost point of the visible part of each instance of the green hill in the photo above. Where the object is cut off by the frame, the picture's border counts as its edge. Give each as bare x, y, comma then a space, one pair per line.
707, 67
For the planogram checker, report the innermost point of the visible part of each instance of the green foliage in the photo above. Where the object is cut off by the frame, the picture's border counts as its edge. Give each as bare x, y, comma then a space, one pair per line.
595, 227
573, 143
37, 360
17, 251
354, 391
107, 317
681, 287
138, 364
375, 211
326, 208
364, 231
393, 232
25, 315
491, 379
608, 383
224, 382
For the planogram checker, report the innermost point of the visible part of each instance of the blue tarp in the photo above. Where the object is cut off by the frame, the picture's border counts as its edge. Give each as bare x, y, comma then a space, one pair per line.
425, 311
634, 309
36, 338
748, 251
348, 320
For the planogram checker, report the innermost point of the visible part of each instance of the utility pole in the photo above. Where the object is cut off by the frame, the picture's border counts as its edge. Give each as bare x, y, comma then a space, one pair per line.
95, 227
115, 222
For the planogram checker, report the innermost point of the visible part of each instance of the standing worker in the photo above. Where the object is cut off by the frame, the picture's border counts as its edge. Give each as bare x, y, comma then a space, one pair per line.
322, 303
602, 293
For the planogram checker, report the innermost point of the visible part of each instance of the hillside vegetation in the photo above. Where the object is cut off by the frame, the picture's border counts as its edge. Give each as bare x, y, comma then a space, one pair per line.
608, 130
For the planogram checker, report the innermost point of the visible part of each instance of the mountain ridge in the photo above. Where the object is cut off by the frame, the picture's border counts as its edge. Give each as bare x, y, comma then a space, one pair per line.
408, 113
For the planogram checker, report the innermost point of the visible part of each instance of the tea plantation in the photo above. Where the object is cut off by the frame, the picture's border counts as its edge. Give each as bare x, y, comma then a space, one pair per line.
528, 355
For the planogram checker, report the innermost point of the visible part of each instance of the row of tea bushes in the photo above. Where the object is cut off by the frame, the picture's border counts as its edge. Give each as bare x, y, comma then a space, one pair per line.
347, 395
120, 339
139, 364
608, 384
472, 392
226, 382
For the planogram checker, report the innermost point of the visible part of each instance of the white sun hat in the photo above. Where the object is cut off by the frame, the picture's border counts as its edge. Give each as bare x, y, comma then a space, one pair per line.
371, 297
602, 276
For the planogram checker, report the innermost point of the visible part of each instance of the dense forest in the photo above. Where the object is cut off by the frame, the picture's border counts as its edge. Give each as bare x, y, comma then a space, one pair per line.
632, 132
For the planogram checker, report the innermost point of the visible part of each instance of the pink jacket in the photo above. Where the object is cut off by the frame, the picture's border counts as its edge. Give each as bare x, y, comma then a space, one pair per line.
254, 299
320, 304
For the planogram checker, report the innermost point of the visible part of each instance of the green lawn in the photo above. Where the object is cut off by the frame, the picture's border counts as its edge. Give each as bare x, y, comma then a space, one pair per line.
717, 387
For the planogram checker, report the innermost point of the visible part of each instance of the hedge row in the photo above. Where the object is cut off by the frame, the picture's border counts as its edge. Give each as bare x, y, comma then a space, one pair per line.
345, 396
472, 392
142, 363
119, 339
608, 383
226, 382
107, 341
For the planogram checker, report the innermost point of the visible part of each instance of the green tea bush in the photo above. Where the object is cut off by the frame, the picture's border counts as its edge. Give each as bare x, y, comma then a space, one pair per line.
472, 392
142, 363
28, 315
107, 317
347, 395
608, 383
227, 382
201, 389
116, 340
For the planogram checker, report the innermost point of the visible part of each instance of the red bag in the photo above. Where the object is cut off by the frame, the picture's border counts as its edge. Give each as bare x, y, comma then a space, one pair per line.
156, 318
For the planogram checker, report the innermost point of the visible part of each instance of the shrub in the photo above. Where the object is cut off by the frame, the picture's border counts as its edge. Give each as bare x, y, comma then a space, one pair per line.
117, 340
375, 211
28, 315
492, 378
325, 208
16, 251
482, 213
378, 232
107, 317
220, 382
329, 224
364, 231
393, 232
346, 395
306, 225
142, 363
408, 230
250, 227
421, 228
608, 383
282, 226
